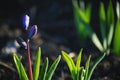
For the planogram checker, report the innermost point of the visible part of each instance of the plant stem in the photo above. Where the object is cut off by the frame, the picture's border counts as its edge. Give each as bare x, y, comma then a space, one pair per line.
29, 61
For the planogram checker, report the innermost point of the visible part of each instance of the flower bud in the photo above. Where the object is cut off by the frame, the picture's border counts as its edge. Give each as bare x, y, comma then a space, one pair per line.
32, 31
22, 43
26, 20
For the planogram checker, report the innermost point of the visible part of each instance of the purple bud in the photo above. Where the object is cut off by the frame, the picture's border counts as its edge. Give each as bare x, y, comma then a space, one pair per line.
32, 31
22, 43
26, 20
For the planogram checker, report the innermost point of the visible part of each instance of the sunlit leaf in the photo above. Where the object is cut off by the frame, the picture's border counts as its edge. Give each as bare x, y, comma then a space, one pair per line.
44, 70
81, 74
110, 34
110, 14
116, 41
88, 12
103, 24
20, 68
118, 9
70, 64
87, 68
102, 12
52, 68
78, 62
97, 42
95, 63
36, 69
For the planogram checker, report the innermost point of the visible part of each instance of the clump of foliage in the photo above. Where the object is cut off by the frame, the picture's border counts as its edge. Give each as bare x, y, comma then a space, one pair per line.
43, 74
107, 25
79, 72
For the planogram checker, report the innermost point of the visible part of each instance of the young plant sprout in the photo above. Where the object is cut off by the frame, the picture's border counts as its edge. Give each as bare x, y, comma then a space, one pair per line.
79, 72
24, 43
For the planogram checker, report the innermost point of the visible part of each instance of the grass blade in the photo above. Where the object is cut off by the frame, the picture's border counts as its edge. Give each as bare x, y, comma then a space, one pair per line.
16, 61
78, 62
81, 74
20, 68
97, 42
88, 12
110, 14
44, 70
103, 25
87, 67
52, 68
96, 62
110, 34
70, 64
117, 38
36, 69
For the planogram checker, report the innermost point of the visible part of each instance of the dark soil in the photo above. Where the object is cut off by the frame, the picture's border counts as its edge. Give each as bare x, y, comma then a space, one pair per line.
56, 32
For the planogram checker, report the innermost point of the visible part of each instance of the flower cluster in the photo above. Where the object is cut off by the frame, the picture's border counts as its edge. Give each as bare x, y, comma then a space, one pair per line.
30, 32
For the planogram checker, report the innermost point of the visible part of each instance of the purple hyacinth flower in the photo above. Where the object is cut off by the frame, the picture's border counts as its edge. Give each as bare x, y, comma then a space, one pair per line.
22, 43
26, 20
32, 31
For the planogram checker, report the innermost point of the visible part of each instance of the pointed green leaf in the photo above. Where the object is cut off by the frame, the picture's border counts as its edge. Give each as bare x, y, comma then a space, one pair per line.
78, 62
102, 20
81, 74
118, 9
88, 12
102, 12
110, 20
87, 67
103, 24
16, 59
110, 34
97, 42
116, 42
96, 62
44, 70
52, 68
70, 64
36, 69
110, 14
80, 12
20, 68
23, 73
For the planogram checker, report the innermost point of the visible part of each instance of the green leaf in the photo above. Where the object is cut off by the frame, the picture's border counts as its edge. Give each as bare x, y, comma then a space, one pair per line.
87, 67
110, 34
97, 42
81, 74
81, 12
52, 68
96, 62
70, 64
110, 14
88, 12
116, 41
94, 38
103, 25
20, 68
78, 62
16, 60
118, 10
23, 73
36, 69
110, 20
102, 12
44, 70
77, 19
